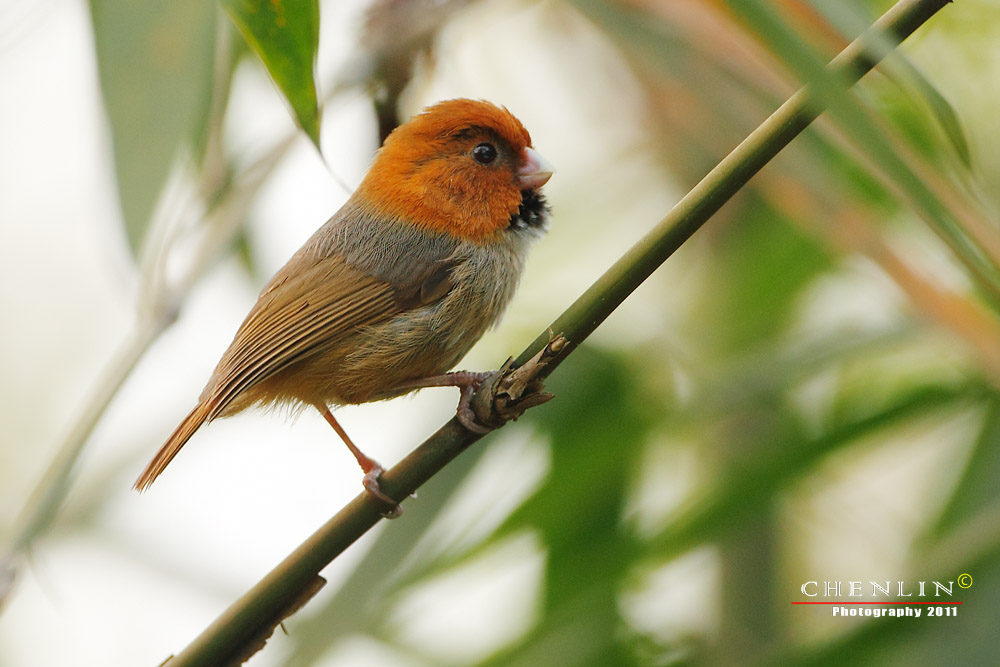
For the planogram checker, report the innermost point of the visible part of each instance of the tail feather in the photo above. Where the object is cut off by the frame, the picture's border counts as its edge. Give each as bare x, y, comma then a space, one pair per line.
197, 417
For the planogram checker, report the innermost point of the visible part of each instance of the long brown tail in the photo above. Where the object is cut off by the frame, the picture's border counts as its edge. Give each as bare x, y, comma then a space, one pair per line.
168, 451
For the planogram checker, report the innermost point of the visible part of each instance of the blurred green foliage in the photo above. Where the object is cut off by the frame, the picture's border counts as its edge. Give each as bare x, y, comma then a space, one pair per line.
163, 50
767, 405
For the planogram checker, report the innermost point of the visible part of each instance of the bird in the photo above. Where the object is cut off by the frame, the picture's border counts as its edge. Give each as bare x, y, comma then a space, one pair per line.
395, 288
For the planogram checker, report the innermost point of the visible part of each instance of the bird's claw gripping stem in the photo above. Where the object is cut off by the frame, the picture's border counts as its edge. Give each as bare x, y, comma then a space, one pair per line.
370, 482
505, 394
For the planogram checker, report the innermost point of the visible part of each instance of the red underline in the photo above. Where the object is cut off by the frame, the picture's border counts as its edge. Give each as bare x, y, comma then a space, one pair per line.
934, 603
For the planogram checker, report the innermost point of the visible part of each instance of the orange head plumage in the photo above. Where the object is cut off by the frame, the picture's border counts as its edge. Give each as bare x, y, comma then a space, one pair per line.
460, 167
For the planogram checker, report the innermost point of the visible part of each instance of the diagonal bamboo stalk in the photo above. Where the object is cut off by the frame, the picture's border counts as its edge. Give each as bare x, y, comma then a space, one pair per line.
244, 626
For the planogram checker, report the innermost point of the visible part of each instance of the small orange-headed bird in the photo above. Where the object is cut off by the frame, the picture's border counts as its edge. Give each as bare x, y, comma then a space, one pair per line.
397, 286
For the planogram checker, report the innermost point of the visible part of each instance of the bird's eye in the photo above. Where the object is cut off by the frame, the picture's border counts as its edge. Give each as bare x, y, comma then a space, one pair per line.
484, 153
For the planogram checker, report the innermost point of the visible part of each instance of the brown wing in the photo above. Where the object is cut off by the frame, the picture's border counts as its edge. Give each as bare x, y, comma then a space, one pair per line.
353, 272
308, 309
308, 304
303, 308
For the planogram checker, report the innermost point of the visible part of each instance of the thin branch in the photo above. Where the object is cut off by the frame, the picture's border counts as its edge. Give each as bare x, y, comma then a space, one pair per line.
288, 585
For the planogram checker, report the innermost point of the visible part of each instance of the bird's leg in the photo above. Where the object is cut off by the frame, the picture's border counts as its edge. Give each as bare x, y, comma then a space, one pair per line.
370, 466
467, 382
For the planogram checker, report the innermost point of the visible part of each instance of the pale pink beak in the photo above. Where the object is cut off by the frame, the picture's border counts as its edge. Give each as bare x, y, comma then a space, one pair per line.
535, 170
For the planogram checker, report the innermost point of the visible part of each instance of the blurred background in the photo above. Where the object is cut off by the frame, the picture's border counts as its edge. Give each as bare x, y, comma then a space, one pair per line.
806, 391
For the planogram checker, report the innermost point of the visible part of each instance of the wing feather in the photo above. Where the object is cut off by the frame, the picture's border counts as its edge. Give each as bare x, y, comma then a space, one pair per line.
300, 312
305, 310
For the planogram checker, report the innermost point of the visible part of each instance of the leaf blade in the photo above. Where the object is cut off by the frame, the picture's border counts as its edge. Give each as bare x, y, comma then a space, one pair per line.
285, 36
155, 66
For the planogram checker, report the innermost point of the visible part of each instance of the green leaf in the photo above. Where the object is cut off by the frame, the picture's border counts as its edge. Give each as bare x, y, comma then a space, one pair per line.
598, 428
942, 111
285, 35
745, 488
155, 65
762, 264
977, 488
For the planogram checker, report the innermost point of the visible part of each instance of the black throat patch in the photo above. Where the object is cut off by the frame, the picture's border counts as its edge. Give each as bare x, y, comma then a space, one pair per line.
533, 212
